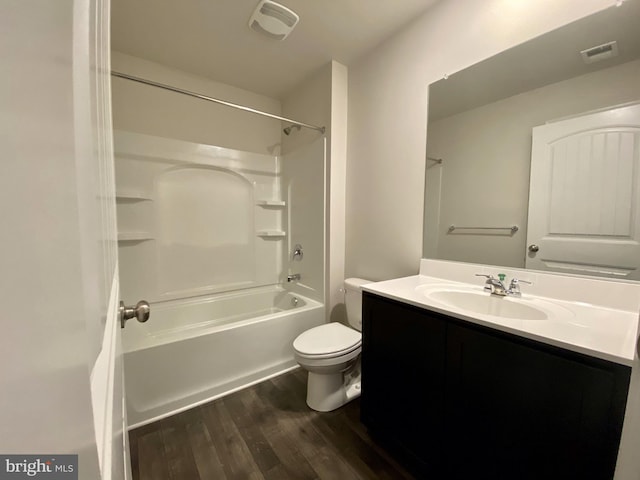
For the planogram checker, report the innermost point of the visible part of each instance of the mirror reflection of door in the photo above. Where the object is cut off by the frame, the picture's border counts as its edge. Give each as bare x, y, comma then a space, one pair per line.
585, 195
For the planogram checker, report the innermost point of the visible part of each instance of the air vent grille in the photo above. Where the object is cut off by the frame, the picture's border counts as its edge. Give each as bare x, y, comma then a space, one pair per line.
600, 52
273, 20
283, 14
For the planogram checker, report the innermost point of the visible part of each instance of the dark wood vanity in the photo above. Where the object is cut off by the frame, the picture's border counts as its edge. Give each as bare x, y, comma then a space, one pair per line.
455, 400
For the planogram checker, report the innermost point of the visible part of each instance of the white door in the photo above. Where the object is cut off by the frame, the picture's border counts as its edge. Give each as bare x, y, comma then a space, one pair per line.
60, 360
584, 203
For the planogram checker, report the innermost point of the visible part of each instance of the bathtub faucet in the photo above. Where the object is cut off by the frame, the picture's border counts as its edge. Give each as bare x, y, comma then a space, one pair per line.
292, 277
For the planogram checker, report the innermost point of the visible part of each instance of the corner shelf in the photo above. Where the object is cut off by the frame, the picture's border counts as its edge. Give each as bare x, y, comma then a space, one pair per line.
271, 233
271, 203
134, 236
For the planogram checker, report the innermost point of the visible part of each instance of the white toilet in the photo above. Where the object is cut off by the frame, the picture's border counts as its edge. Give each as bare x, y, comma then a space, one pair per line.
331, 355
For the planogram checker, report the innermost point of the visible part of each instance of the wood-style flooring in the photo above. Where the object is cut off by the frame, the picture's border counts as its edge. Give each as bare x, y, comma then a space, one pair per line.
263, 432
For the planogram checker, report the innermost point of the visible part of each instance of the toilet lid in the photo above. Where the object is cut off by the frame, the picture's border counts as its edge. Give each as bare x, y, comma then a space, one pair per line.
328, 338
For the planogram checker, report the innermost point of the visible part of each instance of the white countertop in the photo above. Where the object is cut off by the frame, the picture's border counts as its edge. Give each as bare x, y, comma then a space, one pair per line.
594, 330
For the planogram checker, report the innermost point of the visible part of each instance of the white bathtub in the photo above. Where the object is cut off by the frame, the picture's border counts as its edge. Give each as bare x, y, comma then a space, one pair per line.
192, 351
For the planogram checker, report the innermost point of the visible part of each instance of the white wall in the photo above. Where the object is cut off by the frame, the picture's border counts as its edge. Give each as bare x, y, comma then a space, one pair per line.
322, 100
145, 109
487, 151
388, 116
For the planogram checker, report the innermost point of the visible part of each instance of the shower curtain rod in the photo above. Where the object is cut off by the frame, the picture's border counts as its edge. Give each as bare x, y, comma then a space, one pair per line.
214, 100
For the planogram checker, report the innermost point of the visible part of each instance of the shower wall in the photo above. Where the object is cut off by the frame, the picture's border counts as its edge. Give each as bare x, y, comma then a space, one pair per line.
303, 174
322, 100
249, 210
195, 219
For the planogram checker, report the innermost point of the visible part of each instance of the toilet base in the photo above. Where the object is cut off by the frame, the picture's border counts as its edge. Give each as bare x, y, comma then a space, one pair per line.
327, 392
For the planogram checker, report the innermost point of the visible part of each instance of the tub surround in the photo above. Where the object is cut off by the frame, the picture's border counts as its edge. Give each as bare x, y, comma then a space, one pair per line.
594, 317
165, 254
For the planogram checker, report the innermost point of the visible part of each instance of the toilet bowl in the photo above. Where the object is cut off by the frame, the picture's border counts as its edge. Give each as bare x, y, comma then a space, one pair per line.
331, 355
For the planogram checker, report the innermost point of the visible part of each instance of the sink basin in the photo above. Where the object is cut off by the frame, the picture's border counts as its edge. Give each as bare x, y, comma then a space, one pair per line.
485, 304
473, 300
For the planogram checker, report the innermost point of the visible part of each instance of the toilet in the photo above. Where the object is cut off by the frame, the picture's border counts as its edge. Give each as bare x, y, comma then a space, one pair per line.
331, 355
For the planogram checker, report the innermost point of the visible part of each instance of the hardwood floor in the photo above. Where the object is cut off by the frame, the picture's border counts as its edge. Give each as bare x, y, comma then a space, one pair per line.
263, 432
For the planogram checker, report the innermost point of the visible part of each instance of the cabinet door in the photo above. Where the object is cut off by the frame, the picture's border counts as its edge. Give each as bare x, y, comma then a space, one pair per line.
516, 411
403, 379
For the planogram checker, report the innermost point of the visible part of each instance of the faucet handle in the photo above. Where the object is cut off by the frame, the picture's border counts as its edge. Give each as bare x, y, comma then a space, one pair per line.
488, 284
490, 277
514, 287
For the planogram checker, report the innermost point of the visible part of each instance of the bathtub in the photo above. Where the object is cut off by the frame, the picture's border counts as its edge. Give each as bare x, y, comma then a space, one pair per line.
192, 351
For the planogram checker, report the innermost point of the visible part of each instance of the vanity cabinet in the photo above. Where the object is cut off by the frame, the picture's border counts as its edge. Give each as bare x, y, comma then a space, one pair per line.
400, 378
459, 401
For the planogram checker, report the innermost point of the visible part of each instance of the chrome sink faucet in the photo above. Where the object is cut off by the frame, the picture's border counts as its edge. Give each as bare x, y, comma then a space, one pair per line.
493, 285
496, 286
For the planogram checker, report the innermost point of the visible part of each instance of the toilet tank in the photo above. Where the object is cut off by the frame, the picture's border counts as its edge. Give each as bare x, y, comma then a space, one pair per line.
353, 301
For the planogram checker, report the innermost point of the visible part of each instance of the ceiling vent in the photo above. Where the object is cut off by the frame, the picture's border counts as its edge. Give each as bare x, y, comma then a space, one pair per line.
273, 20
601, 52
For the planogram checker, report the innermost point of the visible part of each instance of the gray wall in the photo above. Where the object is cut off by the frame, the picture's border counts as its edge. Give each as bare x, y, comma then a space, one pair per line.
144, 109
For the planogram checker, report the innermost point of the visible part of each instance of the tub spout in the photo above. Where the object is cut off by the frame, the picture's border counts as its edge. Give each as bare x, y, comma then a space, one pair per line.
293, 276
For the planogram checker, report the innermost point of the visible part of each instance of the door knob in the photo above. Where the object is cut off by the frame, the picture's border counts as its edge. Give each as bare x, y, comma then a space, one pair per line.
141, 311
533, 248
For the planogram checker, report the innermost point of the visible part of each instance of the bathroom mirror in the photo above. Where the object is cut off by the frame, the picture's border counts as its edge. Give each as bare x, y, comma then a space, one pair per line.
479, 153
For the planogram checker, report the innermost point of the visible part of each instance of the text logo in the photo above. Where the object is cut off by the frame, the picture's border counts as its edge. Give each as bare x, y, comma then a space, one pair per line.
49, 467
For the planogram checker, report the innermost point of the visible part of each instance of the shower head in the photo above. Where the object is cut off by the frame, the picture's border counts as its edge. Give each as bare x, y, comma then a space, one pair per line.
288, 129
